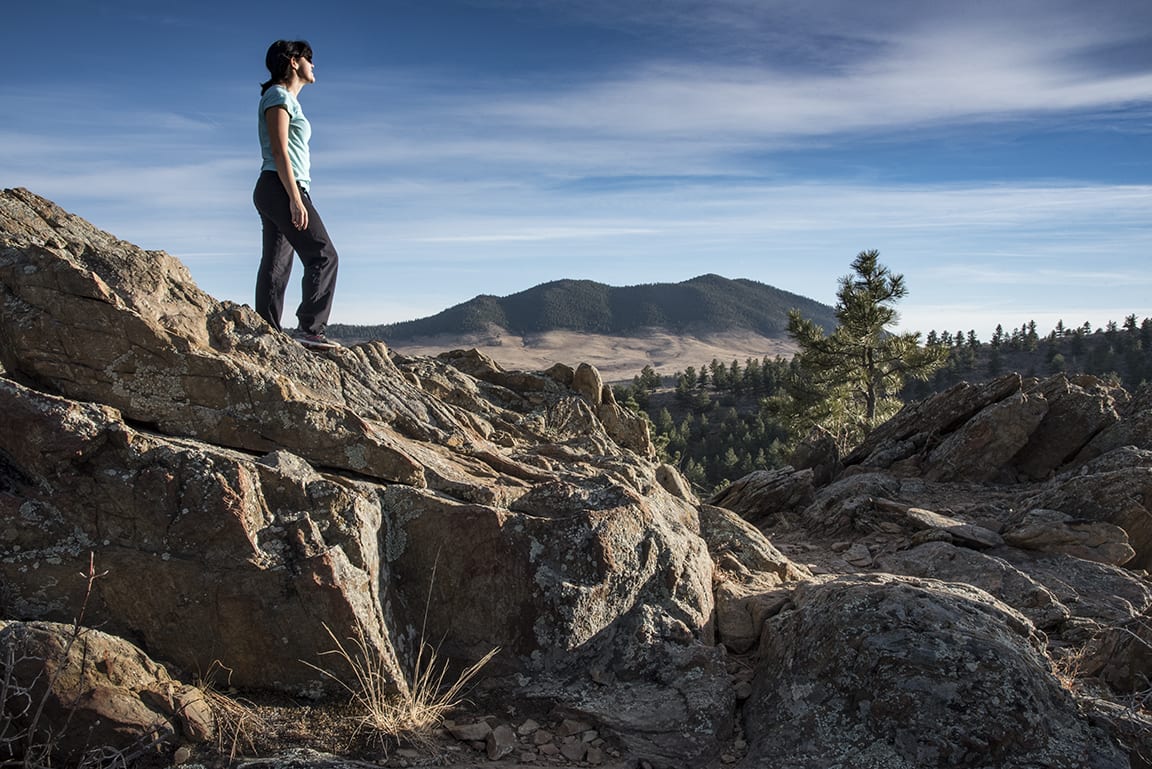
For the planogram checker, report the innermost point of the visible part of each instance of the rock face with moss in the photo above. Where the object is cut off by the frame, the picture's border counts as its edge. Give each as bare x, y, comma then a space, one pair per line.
252, 501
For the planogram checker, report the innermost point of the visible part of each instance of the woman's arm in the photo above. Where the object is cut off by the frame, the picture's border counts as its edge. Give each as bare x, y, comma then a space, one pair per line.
277, 121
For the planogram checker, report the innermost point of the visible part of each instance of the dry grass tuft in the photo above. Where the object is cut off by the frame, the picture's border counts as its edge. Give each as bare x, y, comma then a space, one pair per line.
237, 722
1068, 667
404, 710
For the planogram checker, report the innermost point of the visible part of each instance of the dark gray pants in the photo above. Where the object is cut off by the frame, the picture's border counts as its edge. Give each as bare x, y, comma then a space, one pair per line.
281, 238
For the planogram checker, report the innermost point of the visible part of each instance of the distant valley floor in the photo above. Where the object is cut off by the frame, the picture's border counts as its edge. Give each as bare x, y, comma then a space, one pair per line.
618, 358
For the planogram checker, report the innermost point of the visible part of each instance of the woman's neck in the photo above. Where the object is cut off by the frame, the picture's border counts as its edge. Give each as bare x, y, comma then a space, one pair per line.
293, 85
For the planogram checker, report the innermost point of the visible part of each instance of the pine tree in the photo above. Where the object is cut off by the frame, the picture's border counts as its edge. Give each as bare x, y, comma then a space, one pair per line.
849, 379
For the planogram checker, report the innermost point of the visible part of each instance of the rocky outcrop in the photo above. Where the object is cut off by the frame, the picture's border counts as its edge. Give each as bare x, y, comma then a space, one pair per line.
1122, 657
116, 702
269, 496
762, 495
225, 541
883, 671
752, 578
1077, 412
898, 606
1022, 490
1055, 532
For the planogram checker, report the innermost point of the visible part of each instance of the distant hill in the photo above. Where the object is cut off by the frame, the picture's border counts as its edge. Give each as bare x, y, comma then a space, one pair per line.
708, 304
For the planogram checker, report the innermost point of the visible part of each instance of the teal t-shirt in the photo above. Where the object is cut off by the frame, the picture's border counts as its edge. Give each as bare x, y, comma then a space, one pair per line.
299, 132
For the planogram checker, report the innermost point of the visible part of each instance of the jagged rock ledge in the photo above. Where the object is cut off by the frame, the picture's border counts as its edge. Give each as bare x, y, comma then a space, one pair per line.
242, 498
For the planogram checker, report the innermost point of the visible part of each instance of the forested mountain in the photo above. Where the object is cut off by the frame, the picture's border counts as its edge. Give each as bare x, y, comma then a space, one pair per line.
705, 304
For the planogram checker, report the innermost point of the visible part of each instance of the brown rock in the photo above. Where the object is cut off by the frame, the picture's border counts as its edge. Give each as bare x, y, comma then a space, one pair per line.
500, 742
858, 555
886, 671
910, 430
967, 534
1075, 415
96, 690
1055, 532
570, 727
477, 731
982, 448
1099, 592
751, 576
1116, 497
588, 383
850, 505
943, 561
675, 483
764, 494
224, 543
575, 750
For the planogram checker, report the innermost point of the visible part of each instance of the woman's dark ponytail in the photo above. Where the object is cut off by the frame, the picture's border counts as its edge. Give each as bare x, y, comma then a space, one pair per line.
279, 60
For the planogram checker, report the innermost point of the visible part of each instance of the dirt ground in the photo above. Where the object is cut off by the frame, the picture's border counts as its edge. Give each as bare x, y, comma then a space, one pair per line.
618, 359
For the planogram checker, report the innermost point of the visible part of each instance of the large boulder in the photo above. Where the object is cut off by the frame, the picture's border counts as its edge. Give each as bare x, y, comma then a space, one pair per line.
1121, 497
943, 561
894, 672
1077, 411
918, 424
114, 699
1104, 594
225, 543
982, 448
752, 578
762, 495
1055, 532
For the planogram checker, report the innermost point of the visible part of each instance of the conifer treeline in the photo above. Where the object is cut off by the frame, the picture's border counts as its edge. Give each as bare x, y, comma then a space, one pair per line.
719, 421
1119, 353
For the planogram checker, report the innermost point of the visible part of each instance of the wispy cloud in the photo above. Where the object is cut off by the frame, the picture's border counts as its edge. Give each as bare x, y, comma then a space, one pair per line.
990, 274
554, 233
945, 76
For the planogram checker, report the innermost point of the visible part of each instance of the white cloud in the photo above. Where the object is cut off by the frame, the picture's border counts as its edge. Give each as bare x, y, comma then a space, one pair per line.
920, 86
551, 233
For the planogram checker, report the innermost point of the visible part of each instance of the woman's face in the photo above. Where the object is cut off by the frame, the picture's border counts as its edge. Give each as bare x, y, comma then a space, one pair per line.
304, 69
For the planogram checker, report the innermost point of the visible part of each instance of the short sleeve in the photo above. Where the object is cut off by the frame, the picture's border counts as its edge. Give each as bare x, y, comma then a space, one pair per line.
275, 97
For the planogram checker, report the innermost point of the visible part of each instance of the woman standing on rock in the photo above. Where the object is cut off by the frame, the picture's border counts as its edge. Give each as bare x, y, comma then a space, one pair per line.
281, 196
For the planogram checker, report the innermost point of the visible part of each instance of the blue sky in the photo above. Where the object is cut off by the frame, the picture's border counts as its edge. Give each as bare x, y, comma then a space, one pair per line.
998, 154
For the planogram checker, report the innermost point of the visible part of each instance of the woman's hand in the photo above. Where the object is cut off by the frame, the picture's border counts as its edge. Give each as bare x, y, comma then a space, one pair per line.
299, 214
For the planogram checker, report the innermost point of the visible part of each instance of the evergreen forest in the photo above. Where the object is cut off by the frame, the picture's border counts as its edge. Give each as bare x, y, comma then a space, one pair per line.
722, 420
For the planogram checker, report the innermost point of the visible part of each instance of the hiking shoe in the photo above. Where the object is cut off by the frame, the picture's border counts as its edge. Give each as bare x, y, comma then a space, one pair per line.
314, 341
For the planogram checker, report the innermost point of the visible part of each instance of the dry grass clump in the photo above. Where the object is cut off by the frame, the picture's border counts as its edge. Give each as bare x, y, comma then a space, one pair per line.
404, 710
1068, 667
237, 720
